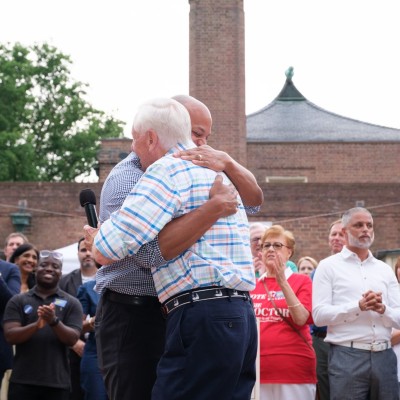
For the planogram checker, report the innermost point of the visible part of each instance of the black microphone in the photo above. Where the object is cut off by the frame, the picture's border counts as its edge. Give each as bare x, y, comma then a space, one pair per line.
87, 199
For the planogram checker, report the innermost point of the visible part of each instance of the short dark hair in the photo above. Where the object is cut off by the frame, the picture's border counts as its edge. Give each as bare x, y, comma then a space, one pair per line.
79, 241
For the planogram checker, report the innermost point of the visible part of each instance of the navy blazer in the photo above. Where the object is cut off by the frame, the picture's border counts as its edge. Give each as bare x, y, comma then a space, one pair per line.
10, 284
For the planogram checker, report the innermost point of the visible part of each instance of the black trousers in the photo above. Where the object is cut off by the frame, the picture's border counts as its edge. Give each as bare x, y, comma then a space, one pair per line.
130, 341
75, 370
17, 391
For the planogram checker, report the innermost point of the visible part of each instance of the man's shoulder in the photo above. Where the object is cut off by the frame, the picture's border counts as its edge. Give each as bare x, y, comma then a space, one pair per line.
6, 266
22, 297
381, 263
119, 182
129, 166
331, 258
328, 264
71, 274
176, 168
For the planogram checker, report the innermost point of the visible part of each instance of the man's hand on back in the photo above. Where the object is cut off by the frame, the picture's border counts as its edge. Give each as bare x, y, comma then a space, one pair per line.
224, 197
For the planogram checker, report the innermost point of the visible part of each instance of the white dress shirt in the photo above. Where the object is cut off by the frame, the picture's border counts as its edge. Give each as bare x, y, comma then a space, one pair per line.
339, 283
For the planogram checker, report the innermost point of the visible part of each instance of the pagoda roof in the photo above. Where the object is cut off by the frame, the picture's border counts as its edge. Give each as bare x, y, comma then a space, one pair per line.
290, 117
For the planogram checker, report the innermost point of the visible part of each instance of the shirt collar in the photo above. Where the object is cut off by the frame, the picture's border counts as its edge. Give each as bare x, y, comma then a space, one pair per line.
346, 253
57, 293
179, 147
288, 273
134, 159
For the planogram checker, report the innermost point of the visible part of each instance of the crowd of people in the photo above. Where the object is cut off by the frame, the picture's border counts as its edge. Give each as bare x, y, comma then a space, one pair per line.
172, 312
47, 324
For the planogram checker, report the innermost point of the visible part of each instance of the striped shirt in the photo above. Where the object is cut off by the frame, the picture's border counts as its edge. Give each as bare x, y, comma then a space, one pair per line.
170, 188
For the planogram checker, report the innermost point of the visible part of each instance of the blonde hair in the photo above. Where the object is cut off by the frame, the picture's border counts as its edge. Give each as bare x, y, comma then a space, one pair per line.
313, 261
338, 221
16, 234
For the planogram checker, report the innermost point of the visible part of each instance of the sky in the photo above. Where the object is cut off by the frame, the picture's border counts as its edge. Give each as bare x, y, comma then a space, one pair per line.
345, 53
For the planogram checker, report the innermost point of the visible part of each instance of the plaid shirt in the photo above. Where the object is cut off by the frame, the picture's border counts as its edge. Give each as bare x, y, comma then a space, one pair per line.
170, 188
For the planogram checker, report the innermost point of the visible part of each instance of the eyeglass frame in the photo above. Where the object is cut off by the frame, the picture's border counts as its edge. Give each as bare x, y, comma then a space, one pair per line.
276, 245
50, 253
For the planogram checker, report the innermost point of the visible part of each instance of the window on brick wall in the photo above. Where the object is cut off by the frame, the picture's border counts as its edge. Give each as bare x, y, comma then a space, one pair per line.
286, 179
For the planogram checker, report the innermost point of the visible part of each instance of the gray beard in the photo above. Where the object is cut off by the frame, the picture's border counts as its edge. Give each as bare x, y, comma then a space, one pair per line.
355, 242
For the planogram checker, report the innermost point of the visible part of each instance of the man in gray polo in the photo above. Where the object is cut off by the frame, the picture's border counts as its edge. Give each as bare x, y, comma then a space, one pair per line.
357, 297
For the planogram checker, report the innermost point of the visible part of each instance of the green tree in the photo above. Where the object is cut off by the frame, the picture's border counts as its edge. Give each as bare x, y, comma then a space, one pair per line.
48, 130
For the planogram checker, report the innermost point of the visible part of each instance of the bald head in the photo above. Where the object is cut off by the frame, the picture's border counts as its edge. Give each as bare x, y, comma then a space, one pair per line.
200, 118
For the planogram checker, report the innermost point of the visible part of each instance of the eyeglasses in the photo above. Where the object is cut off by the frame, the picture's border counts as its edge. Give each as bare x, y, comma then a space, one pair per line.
276, 245
48, 253
256, 239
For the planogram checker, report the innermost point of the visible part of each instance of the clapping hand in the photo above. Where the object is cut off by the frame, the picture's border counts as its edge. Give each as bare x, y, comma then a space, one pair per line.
46, 315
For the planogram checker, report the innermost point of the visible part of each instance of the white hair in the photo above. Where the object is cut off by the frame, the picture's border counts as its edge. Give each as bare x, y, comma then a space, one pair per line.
254, 225
168, 118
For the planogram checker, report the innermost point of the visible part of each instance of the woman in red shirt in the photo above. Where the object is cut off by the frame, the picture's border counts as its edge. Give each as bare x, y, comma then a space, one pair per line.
282, 303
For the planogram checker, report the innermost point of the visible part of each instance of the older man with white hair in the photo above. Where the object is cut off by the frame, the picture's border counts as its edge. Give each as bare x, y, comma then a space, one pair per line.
211, 339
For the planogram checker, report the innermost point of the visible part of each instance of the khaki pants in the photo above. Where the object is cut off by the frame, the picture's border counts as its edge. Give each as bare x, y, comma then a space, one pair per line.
4, 385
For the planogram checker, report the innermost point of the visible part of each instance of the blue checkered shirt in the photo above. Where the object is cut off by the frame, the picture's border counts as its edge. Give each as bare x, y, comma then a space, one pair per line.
132, 274
170, 188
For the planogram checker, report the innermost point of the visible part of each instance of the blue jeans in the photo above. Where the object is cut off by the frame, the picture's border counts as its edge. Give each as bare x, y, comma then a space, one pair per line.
362, 375
210, 352
91, 379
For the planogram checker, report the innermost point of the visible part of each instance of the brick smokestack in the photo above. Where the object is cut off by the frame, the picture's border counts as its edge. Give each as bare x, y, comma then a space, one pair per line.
217, 70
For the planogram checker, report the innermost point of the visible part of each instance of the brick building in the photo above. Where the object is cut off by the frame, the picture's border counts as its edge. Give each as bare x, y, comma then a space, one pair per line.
311, 163
314, 164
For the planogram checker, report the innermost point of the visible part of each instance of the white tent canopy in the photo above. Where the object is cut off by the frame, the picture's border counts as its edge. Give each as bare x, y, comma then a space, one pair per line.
70, 258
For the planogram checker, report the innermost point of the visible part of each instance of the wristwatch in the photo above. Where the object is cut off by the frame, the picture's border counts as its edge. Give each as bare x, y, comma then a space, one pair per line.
55, 322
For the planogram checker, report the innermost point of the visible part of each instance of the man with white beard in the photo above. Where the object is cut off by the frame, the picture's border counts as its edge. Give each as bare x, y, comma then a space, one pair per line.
357, 297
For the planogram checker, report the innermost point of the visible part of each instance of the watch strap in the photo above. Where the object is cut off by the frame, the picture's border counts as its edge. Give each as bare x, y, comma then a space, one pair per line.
55, 322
